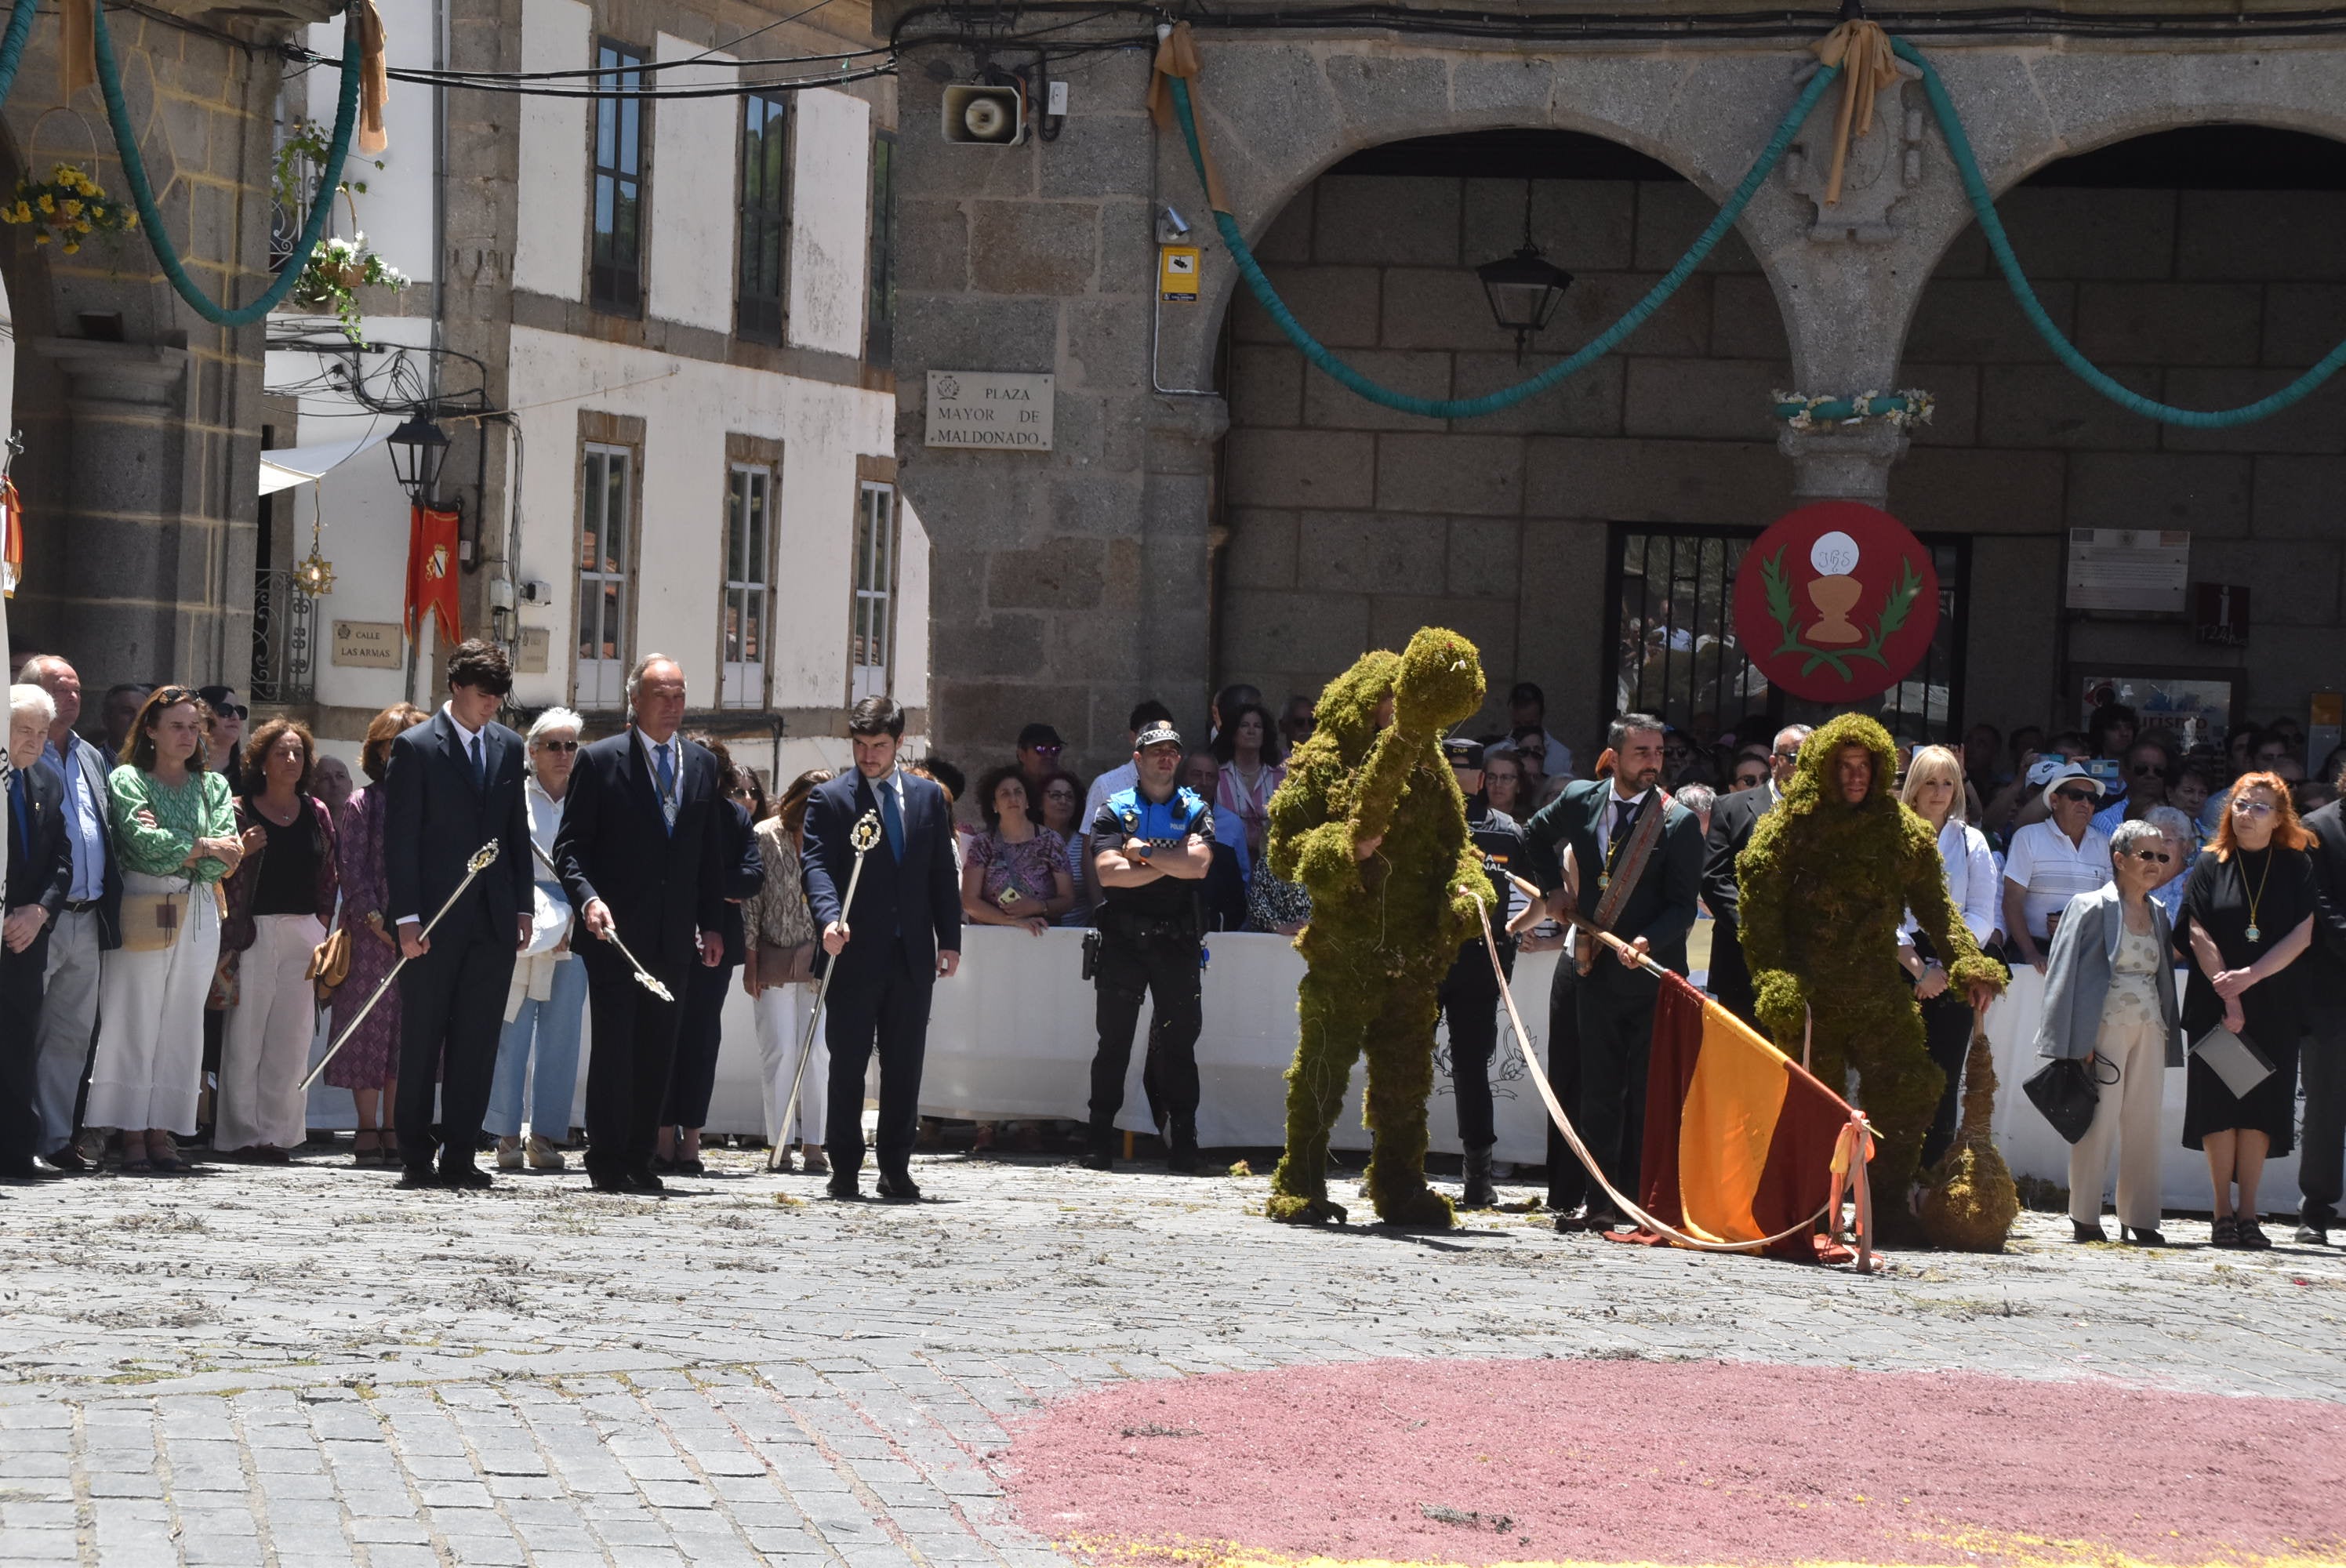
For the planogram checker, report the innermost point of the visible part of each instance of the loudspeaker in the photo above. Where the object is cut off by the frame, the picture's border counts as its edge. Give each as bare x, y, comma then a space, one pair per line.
983, 112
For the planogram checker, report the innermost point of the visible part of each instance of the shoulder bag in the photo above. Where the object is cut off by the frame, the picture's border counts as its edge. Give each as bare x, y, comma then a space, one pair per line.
2066, 1091
329, 962
151, 921
780, 965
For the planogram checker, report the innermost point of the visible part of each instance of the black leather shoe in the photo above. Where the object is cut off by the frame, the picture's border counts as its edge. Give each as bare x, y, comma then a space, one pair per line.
899, 1189
412, 1177
1182, 1157
466, 1177
29, 1169
1098, 1159
843, 1185
68, 1159
609, 1181
1479, 1192
2080, 1231
644, 1180
2141, 1235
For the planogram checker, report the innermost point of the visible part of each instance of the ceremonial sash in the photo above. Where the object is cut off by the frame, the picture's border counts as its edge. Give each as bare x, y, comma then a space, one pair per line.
1630, 864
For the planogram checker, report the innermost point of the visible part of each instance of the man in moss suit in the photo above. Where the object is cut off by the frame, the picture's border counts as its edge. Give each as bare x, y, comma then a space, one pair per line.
1628, 858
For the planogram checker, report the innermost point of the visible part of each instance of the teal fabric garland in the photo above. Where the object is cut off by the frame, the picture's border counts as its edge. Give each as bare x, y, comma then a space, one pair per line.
142, 193
12, 45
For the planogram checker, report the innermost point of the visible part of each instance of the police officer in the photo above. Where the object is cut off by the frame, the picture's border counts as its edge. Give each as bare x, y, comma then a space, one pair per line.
1470, 992
1153, 845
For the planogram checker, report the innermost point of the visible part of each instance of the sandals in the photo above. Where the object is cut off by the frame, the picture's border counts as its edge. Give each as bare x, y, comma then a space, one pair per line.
364, 1154
2251, 1236
2225, 1231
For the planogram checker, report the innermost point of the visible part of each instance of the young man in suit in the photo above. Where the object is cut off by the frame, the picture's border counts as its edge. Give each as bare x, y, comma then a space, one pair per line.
903, 935
1635, 869
1730, 829
640, 854
40, 871
88, 925
452, 784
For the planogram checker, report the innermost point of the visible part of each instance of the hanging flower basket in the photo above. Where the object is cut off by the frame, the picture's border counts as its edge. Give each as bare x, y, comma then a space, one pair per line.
337, 269
68, 208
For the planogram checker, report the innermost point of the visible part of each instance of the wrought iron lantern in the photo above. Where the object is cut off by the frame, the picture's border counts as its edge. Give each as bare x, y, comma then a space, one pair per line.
417, 451
1524, 289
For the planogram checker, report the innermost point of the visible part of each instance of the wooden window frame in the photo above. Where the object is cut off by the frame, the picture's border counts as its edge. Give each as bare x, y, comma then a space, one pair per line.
607, 435
612, 287
749, 323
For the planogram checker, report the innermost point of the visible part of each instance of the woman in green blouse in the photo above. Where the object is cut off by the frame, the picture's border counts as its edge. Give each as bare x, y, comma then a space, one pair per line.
175, 836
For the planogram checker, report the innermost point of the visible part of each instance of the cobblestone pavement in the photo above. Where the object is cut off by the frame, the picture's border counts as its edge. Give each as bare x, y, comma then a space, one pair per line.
306, 1365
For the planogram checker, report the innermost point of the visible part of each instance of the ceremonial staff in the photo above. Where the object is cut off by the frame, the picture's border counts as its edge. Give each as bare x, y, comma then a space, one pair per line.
863, 836
644, 977
483, 858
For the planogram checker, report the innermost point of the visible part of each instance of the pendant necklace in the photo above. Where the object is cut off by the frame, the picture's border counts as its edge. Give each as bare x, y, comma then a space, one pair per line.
2254, 898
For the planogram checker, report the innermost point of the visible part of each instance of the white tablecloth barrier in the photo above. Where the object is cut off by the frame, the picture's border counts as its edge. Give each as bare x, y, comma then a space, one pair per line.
2031, 1147
1012, 1036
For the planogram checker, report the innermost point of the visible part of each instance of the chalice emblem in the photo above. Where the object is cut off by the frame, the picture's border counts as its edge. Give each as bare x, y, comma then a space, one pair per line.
1835, 592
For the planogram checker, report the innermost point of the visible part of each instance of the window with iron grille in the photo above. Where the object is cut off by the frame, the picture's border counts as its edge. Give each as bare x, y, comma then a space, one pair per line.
758, 297
605, 521
747, 509
872, 629
616, 273
1671, 648
880, 316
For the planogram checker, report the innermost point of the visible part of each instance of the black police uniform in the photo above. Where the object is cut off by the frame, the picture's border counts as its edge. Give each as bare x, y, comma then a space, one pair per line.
1151, 940
1470, 992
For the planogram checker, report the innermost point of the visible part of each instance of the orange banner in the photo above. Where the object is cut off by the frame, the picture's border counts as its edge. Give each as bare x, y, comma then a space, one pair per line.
431, 571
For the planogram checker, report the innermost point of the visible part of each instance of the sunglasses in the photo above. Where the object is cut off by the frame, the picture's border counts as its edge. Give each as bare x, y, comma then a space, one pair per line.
2144, 769
1791, 756
1045, 750
2159, 856
2073, 796
2253, 808
231, 709
558, 746
1751, 779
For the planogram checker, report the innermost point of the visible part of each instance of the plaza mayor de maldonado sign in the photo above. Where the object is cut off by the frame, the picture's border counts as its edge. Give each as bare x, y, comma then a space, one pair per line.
1836, 601
999, 409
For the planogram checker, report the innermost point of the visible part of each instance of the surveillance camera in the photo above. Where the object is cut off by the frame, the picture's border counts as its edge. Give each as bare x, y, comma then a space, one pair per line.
1172, 227
985, 113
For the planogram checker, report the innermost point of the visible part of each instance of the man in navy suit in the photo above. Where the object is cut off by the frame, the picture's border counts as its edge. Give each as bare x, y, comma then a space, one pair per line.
453, 784
40, 873
640, 853
903, 935
1637, 871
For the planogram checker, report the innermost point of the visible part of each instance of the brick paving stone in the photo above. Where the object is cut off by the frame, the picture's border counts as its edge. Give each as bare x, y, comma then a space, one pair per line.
361, 1395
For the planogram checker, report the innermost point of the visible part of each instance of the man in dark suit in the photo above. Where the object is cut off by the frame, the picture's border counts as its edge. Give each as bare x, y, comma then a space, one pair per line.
642, 854
452, 784
1732, 822
89, 926
40, 873
2321, 1147
1636, 875
901, 936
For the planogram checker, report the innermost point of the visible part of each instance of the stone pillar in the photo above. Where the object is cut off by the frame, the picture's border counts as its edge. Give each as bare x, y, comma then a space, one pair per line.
1177, 569
1850, 463
132, 580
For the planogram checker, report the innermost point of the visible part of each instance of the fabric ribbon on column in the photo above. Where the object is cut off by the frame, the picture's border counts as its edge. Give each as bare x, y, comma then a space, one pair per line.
1177, 56
374, 78
1863, 51
77, 47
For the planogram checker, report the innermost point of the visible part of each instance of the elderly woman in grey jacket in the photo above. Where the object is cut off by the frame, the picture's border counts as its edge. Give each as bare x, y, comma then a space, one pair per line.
2109, 1001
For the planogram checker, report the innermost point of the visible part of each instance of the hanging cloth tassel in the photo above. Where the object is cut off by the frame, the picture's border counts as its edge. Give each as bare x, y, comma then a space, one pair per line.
1177, 56
77, 49
1863, 51
374, 80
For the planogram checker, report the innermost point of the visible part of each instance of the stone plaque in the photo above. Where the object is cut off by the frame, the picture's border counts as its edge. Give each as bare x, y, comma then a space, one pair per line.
536, 647
990, 409
370, 644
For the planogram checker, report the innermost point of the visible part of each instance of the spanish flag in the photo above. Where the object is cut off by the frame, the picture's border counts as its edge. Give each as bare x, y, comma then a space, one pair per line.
1741, 1140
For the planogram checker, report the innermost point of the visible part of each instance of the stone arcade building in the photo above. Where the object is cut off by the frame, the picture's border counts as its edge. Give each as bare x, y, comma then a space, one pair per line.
1214, 509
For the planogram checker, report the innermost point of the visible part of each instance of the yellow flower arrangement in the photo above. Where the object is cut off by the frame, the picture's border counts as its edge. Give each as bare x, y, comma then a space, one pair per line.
65, 206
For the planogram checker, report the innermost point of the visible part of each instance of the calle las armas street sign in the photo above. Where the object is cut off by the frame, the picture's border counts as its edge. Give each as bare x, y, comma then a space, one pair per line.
1001, 409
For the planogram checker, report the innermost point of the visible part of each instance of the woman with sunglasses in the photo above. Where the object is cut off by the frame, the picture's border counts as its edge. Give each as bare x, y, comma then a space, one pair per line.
2109, 1002
2249, 916
546, 1005
175, 835
367, 1063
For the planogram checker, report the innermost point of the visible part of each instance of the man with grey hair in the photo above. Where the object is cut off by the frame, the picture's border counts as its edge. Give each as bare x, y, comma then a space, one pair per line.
40, 864
1732, 822
88, 925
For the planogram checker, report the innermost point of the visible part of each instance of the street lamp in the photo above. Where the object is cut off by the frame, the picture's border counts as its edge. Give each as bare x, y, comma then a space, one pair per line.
417, 451
1524, 289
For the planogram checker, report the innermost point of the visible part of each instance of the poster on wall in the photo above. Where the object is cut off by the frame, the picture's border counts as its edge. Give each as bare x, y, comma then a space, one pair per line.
2146, 571
2195, 708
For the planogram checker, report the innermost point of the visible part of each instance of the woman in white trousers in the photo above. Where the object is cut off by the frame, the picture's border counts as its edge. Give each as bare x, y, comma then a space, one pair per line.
175, 838
779, 937
278, 902
2109, 1001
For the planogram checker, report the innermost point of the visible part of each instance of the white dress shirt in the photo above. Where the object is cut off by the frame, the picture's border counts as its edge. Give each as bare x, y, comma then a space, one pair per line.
1974, 886
464, 740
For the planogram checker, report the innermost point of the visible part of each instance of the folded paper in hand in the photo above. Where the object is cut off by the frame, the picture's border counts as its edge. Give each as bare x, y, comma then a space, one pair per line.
2234, 1059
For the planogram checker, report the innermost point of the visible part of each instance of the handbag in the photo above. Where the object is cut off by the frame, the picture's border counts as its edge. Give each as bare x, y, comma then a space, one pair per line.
785, 965
330, 963
2066, 1092
151, 921
2234, 1058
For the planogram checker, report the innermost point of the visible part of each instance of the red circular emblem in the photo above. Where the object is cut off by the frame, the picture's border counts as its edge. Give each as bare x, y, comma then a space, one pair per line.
1836, 601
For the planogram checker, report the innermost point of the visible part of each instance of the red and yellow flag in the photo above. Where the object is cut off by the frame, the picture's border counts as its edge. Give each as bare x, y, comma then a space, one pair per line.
432, 571
1739, 1138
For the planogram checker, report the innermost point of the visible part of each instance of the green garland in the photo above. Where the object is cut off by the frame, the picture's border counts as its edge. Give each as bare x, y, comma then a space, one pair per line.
1383, 931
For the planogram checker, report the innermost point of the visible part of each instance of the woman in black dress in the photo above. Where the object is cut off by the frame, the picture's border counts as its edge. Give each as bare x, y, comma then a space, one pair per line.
2247, 913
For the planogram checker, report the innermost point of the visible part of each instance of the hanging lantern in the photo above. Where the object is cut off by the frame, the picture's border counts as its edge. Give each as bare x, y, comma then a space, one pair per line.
1524, 289
314, 575
417, 449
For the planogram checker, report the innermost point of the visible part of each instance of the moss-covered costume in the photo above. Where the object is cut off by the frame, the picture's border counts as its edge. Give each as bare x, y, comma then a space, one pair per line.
1384, 931
1825, 885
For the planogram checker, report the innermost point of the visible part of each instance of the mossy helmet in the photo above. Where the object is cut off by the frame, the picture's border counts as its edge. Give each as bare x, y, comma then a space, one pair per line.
1347, 710
1812, 783
1441, 681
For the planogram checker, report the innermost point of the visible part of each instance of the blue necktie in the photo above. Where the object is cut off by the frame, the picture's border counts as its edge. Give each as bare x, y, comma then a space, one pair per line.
667, 785
892, 819
480, 768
